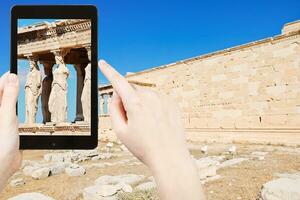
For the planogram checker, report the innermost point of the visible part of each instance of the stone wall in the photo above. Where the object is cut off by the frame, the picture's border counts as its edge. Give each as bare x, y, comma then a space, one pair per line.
256, 85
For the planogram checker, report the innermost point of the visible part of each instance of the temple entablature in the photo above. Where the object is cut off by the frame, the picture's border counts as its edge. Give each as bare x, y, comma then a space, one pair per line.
105, 93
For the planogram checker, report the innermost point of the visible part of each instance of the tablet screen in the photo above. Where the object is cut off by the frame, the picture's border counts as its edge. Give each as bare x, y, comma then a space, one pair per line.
54, 69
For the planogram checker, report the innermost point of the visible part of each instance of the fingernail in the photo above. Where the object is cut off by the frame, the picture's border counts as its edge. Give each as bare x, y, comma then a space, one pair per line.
12, 79
102, 63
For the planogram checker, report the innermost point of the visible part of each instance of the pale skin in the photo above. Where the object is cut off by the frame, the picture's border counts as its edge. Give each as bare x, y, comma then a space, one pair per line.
10, 156
147, 122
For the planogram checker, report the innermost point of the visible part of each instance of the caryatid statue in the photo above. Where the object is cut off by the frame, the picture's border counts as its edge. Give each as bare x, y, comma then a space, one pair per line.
46, 90
58, 103
32, 91
86, 92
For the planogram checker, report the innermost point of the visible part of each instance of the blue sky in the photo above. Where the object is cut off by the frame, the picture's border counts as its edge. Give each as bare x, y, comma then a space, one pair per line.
139, 34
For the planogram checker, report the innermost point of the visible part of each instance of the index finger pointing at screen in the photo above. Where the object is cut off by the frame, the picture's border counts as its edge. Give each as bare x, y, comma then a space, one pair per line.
119, 83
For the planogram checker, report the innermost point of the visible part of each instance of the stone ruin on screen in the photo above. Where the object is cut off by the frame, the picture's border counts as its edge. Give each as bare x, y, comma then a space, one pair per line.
53, 46
247, 93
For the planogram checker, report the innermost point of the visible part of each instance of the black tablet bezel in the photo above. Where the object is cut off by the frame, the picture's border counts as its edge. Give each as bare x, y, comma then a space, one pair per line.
61, 12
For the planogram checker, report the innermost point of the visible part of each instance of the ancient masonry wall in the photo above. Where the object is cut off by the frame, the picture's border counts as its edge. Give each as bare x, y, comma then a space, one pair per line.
256, 85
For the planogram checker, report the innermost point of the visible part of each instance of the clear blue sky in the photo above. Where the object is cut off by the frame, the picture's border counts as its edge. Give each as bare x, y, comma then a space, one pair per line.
139, 34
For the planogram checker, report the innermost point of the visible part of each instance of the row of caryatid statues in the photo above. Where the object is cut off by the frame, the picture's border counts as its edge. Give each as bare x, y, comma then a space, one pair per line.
53, 90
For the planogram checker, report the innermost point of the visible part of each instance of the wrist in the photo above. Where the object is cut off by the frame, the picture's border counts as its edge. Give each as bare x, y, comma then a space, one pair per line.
168, 162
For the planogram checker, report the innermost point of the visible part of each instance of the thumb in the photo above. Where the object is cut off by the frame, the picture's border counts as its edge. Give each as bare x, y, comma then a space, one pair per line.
10, 95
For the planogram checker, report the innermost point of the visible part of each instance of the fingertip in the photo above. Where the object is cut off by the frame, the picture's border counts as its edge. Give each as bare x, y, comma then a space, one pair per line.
10, 90
102, 65
12, 80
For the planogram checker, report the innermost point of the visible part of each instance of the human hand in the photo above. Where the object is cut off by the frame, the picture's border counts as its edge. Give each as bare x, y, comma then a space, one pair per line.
10, 156
150, 126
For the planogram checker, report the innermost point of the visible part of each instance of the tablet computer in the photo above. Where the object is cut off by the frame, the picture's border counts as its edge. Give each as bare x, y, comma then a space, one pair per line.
54, 53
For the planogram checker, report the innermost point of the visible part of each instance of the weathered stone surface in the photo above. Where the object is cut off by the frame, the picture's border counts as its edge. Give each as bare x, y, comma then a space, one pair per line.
17, 182
151, 178
146, 186
232, 150
28, 163
207, 172
110, 145
282, 188
31, 196
127, 188
231, 162
27, 171
206, 162
239, 88
75, 170
124, 148
98, 192
58, 168
204, 149
212, 178
129, 179
41, 173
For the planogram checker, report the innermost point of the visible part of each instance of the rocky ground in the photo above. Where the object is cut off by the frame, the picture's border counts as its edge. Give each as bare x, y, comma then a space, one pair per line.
227, 171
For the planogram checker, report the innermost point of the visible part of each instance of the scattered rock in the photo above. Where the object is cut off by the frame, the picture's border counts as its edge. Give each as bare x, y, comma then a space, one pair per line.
99, 191
282, 188
129, 179
54, 157
232, 150
27, 170
146, 186
127, 188
231, 162
17, 182
207, 172
204, 149
206, 162
213, 178
48, 157
41, 173
207, 167
31, 196
75, 170
110, 145
151, 178
58, 168
124, 148
106, 179
28, 163
104, 156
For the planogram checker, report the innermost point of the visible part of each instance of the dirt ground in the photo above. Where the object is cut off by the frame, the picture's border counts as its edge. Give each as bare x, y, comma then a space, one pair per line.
241, 181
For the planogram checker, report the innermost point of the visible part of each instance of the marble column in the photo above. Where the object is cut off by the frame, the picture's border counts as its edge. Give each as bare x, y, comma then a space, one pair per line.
101, 104
58, 103
46, 90
86, 92
109, 99
80, 72
32, 90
